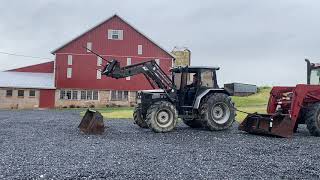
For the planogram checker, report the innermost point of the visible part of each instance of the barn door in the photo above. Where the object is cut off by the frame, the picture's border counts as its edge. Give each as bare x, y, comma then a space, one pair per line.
47, 98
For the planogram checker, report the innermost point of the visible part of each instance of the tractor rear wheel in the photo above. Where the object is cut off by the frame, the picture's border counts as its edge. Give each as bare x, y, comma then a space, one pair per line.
217, 112
138, 117
162, 116
312, 118
194, 123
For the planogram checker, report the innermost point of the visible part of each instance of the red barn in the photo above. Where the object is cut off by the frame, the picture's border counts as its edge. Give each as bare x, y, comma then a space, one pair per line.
78, 81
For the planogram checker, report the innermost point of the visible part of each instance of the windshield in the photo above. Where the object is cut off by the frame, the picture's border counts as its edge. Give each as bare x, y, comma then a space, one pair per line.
315, 76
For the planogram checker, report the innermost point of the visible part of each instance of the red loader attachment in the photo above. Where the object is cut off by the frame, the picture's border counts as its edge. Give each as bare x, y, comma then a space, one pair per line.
285, 112
274, 125
92, 122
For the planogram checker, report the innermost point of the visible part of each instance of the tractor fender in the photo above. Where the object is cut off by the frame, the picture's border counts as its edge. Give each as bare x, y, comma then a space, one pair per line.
206, 92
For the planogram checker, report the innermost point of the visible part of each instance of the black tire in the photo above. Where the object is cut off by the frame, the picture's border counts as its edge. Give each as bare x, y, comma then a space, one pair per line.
194, 123
217, 112
138, 117
162, 116
312, 118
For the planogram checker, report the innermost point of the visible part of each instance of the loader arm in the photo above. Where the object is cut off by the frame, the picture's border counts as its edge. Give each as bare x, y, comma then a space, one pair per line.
150, 69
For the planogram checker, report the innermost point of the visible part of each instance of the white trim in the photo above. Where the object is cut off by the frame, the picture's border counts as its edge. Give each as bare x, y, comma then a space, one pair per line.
69, 73
128, 63
89, 46
157, 61
140, 49
115, 15
54, 70
115, 55
69, 60
99, 61
98, 74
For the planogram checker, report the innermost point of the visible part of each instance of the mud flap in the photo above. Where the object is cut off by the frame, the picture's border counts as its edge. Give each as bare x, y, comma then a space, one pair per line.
92, 122
274, 125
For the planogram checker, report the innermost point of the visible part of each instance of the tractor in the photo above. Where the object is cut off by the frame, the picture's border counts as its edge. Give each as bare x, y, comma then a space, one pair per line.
288, 107
190, 93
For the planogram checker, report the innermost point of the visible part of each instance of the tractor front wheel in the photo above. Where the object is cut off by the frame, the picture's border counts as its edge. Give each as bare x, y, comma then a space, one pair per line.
138, 117
217, 112
312, 118
162, 116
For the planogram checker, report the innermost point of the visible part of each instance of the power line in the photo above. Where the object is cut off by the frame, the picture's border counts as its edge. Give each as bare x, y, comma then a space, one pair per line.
21, 55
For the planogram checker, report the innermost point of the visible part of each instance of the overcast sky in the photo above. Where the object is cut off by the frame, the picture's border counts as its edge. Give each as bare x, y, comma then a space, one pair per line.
253, 41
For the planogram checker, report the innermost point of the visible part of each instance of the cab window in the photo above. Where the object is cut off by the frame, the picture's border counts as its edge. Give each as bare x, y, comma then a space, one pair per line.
315, 76
207, 79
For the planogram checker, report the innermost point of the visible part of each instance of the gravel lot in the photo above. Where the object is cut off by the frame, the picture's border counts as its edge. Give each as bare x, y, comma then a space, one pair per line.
47, 144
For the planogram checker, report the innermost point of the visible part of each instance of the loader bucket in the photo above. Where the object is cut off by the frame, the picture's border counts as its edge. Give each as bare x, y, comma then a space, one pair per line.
264, 124
92, 122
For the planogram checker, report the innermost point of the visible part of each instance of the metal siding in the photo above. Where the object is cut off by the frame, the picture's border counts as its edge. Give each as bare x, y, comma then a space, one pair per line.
39, 68
85, 64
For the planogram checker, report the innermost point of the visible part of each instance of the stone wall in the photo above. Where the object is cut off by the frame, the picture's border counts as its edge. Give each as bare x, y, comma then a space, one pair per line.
103, 100
15, 102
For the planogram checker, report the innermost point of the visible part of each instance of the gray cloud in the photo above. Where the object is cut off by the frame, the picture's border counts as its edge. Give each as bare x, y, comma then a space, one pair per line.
253, 41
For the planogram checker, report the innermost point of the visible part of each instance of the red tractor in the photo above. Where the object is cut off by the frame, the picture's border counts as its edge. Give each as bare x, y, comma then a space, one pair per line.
288, 107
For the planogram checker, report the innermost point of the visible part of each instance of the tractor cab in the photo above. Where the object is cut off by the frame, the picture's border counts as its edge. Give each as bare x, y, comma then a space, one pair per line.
190, 81
313, 73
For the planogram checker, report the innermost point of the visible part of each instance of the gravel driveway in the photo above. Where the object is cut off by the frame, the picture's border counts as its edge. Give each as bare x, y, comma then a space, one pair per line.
47, 144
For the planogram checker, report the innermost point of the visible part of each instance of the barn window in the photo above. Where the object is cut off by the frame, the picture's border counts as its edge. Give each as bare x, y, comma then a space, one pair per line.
99, 61
83, 95
113, 95
139, 49
69, 59
89, 46
68, 95
125, 95
128, 63
62, 94
32, 93
158, 61
119, 95
98, 74
115, 34
20, 93
69, 72
89, 95
74, 95
95, 95
9, 93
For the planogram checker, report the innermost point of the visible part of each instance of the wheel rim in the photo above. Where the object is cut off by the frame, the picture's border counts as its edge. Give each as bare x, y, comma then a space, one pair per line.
164, 118
220, 113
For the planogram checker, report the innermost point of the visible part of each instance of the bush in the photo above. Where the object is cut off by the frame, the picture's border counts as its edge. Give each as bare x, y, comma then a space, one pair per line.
92, 106
262, 88
72, 106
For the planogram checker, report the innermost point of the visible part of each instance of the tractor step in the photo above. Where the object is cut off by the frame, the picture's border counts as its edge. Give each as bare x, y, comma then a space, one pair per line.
275, 125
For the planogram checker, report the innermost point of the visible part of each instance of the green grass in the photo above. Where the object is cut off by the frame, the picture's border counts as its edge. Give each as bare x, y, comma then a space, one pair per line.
254, 103
114, 112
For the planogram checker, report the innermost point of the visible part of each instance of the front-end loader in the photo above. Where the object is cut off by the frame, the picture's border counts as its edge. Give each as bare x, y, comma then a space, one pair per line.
288, 107
200, 103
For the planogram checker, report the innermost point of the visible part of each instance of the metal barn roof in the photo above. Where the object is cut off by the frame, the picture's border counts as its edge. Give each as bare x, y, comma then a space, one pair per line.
27, 80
